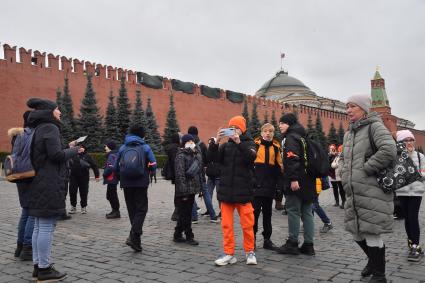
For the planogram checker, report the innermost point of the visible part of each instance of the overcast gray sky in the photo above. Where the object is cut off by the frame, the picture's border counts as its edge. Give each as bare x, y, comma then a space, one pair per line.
332, 46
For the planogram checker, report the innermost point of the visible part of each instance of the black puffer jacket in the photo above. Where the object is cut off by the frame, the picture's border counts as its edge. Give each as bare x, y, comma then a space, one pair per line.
171, 151
185, 184
293, 164
49, 161
236, 169
79, 169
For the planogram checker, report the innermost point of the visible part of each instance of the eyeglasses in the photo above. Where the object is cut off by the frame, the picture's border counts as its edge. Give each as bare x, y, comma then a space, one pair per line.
408, 140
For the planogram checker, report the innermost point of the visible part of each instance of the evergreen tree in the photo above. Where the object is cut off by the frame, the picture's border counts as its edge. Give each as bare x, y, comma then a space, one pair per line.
171, 126
245, 114
111, 122
332, 136
152, 136
255, 122
90, 122
321, 137
138, 116
123, 111
310, 129
273, 121
69, 125
341, 133
266, 118
59, 98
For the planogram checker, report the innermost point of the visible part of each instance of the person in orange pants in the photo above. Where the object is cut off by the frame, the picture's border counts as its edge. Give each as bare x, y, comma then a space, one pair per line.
235, 152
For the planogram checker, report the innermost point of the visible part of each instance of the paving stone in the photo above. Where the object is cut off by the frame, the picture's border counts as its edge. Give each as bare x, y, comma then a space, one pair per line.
91, 248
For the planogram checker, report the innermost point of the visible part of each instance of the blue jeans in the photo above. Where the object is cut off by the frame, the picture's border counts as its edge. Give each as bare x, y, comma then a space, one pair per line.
25, 228
319, 210
42, 238
299, 210
211, 184
207, 201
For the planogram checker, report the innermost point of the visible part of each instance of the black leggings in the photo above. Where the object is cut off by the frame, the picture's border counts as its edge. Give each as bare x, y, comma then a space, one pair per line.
410, 207
337, 186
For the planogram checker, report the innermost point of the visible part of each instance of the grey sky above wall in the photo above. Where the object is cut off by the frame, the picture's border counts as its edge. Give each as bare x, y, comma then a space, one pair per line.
332, 46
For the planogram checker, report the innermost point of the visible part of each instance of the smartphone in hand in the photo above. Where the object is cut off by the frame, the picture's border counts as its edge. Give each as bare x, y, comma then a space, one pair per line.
228, 132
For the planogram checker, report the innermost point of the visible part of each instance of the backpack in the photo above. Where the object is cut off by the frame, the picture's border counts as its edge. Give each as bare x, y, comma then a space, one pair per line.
400, 173
113, 157
316, 160
133, 161
17, 165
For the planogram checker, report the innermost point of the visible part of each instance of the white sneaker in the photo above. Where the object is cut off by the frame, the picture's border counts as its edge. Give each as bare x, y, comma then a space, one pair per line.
73, 210
83, 210
250, 258
225, 260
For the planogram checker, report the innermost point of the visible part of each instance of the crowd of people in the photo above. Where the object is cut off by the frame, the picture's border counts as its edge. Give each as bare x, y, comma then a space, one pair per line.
248, 174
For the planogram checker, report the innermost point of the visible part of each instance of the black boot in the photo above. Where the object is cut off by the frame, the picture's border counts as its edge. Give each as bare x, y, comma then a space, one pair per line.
290, 247
135, 242
35, 272
377, 257
113, 214
26, 253
49, 274
18, 250
178, 237
307, 249
268, 245
367, 270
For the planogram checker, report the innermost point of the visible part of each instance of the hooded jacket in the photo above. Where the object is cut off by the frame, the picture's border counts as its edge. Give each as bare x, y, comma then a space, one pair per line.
293, 164
268, 167
185, 184
236, 169
367, 209
142, 182
109, 174
48, 156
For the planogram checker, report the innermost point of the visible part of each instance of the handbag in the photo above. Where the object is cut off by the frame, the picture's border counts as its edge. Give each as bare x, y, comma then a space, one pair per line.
400, 173
194, 168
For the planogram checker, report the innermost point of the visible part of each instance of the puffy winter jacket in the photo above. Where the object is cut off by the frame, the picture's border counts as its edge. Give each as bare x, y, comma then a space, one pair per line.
367, 209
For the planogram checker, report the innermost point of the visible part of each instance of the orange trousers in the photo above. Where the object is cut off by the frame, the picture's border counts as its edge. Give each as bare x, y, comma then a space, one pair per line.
246, 215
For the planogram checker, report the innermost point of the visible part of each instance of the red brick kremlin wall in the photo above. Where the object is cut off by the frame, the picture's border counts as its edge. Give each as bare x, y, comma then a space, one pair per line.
21, 79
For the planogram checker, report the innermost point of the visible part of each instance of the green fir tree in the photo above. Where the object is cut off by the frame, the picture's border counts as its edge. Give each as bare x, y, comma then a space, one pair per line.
255, 122
69, 124
59, 98
321, 137
266, 118
138, 115
245, 114
341, 133
171, 126
123, 111
111, 122
332, 136
90, 120
152, 137
273, 121
310, 128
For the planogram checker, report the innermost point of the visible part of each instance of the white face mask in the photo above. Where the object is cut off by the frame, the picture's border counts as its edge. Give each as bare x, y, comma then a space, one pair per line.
189, 145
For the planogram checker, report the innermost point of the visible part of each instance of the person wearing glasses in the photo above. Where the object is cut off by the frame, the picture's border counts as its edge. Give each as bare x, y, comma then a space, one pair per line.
410, 197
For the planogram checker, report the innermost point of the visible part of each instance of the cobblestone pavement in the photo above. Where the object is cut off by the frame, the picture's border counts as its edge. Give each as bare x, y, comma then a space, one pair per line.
91, 248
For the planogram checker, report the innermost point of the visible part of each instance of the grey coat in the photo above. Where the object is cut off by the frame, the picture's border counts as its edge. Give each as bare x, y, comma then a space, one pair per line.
368, 210
184, 184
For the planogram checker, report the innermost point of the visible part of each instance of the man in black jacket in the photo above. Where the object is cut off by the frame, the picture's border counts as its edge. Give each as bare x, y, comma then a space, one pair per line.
300, 188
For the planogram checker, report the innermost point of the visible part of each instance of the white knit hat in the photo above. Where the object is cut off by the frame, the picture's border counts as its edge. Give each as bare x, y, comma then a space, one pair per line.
361, 100
404, 134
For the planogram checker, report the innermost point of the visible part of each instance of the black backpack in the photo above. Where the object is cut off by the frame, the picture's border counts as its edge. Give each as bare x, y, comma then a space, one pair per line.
316, 160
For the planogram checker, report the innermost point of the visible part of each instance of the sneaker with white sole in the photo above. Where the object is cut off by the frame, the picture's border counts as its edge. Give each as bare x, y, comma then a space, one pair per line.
250, 258
73, 210
83, 210
225, 260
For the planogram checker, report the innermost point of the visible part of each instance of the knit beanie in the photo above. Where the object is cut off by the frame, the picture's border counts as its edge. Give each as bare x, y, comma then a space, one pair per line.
238, 122
186, 138
404, 134
361, 100
289, 119
41, 104
111, 145
193, 130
